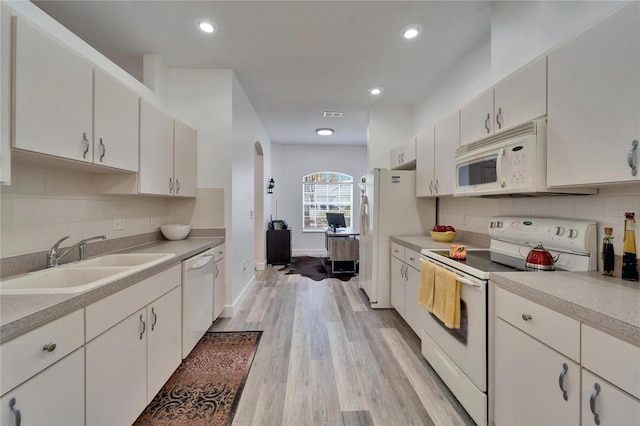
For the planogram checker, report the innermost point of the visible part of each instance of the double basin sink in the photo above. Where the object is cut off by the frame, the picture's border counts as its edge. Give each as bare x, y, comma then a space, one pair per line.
83, 275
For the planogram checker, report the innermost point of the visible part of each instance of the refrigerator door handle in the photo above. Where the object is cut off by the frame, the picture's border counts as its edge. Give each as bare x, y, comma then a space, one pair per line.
364, 218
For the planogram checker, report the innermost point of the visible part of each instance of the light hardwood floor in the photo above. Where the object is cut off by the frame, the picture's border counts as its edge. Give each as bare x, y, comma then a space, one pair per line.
326, 358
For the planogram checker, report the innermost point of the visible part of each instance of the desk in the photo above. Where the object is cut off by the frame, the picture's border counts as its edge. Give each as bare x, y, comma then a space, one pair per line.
343, 249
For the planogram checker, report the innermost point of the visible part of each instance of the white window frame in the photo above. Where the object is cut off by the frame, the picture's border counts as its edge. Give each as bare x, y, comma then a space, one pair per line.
316, 200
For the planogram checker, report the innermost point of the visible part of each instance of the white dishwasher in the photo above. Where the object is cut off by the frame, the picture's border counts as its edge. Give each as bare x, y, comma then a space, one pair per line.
197, 298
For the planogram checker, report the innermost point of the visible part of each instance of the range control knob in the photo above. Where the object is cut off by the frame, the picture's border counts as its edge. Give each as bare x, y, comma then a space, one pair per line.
573, 233
499, 224
492, 225
559, 230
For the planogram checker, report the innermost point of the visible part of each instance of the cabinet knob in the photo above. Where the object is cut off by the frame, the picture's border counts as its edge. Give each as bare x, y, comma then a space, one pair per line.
526, 317
49, 347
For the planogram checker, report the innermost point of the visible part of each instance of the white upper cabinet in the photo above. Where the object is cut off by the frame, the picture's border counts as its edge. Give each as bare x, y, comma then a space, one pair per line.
518, 98
115, 126
185, 159
435, 152
156, 151
404, 156
594, 103
52, 111
5, 94
425, 166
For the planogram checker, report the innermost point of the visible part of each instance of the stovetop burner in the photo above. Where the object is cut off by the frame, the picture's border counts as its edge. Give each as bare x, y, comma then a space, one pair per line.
488, 261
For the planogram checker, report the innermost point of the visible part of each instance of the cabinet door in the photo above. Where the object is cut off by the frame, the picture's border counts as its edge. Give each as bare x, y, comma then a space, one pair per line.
612, 406
527, 381
115, 125
522, 96
594, 107
53, 100
413, 311
447, 140
163, 340
425, 165
5, 93
397, 285
476, 118
218, 289
156, 151
116, 373
53, 397
395, 158
185, 159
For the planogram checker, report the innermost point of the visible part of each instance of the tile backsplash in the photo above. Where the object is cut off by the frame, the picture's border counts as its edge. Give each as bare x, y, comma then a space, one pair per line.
607, 208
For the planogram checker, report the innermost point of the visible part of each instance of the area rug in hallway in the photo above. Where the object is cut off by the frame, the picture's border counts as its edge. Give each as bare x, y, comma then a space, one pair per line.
316, 268
206, 387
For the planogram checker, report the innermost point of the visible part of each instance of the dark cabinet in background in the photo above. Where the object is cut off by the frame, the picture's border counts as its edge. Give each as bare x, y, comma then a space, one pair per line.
279, 247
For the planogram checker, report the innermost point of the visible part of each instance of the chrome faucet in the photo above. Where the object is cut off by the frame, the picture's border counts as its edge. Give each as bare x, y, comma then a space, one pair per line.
53, 257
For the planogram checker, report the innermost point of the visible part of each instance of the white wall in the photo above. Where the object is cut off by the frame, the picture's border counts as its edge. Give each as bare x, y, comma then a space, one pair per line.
290, 163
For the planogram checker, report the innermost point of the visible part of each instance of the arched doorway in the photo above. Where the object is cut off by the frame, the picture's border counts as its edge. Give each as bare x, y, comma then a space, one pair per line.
259, 255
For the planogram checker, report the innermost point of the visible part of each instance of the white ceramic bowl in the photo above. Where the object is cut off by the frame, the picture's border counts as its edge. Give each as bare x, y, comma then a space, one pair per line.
175, 231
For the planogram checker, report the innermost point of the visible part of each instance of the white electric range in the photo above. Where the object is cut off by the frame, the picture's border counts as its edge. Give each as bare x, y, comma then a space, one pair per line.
459, 356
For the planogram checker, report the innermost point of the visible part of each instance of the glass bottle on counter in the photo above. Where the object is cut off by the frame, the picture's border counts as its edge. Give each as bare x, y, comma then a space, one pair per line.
608, 255
629, 257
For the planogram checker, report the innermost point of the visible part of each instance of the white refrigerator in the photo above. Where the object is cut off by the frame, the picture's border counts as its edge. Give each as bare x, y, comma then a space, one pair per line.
388, 206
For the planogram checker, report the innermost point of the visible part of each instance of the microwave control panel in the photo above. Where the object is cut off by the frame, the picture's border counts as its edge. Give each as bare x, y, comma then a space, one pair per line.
517, 165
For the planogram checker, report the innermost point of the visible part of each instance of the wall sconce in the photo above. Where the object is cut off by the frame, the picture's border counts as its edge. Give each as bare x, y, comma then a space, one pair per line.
272, 184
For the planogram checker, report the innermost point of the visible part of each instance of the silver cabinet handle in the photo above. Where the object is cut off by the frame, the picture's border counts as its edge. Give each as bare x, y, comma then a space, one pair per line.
155, 318
435, 187
632, 157
592, 403
85, 141
399, 158
526, 317
486, 123
16, 412
170, 185
431, 187
177, 186
103, 150
499, 118
217, 271
406, 272
565, 368
402, 157
49, 347
144, 326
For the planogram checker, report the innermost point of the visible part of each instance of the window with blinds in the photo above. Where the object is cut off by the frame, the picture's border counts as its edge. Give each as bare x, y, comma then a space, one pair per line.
324, 192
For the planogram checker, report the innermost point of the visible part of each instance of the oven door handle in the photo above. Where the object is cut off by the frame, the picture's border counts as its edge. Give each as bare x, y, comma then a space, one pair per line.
465, 281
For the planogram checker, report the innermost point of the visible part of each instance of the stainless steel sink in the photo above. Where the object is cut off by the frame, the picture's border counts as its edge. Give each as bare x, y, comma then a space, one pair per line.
81, 276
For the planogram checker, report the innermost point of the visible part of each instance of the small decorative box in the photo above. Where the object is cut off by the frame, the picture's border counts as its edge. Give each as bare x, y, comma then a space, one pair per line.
457, 251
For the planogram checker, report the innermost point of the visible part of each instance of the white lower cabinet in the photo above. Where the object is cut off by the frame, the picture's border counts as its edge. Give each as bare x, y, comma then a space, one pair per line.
218, 282
53, 397
405, 282
129, 363
604, 404
529, 381
398, 281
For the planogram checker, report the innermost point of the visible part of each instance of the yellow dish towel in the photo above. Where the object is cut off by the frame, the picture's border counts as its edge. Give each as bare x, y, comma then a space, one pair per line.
426, 289
446, 305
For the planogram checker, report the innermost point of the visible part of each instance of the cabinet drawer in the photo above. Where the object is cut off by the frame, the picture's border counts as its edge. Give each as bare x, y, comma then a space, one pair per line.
111, 310
397, 251
611, 358
25, 356
556, 330
218, 252
412, 258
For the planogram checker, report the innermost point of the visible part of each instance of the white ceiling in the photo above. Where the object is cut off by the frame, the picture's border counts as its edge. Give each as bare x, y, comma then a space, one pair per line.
294, 59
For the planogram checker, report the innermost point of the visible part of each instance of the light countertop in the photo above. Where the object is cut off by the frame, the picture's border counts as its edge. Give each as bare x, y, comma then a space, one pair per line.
20, 313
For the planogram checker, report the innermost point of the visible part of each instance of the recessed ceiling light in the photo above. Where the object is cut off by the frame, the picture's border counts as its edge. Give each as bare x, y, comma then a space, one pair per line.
411, 31
205, 25
324, 132
375, 90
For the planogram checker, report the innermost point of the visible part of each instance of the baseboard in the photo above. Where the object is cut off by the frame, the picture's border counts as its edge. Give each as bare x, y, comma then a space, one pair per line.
229, 310
309, 252
260, 266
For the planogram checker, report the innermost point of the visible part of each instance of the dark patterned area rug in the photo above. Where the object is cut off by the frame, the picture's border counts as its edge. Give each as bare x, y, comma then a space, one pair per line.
316, 268
206, 388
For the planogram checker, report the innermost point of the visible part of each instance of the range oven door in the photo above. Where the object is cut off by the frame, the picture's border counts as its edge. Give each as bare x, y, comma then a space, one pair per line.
467, 346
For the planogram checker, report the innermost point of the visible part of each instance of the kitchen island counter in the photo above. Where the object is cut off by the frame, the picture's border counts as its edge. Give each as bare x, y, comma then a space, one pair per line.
609, 303
20, 313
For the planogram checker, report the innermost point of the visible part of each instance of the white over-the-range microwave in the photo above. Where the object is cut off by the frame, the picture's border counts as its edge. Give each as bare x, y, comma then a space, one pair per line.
510, 164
